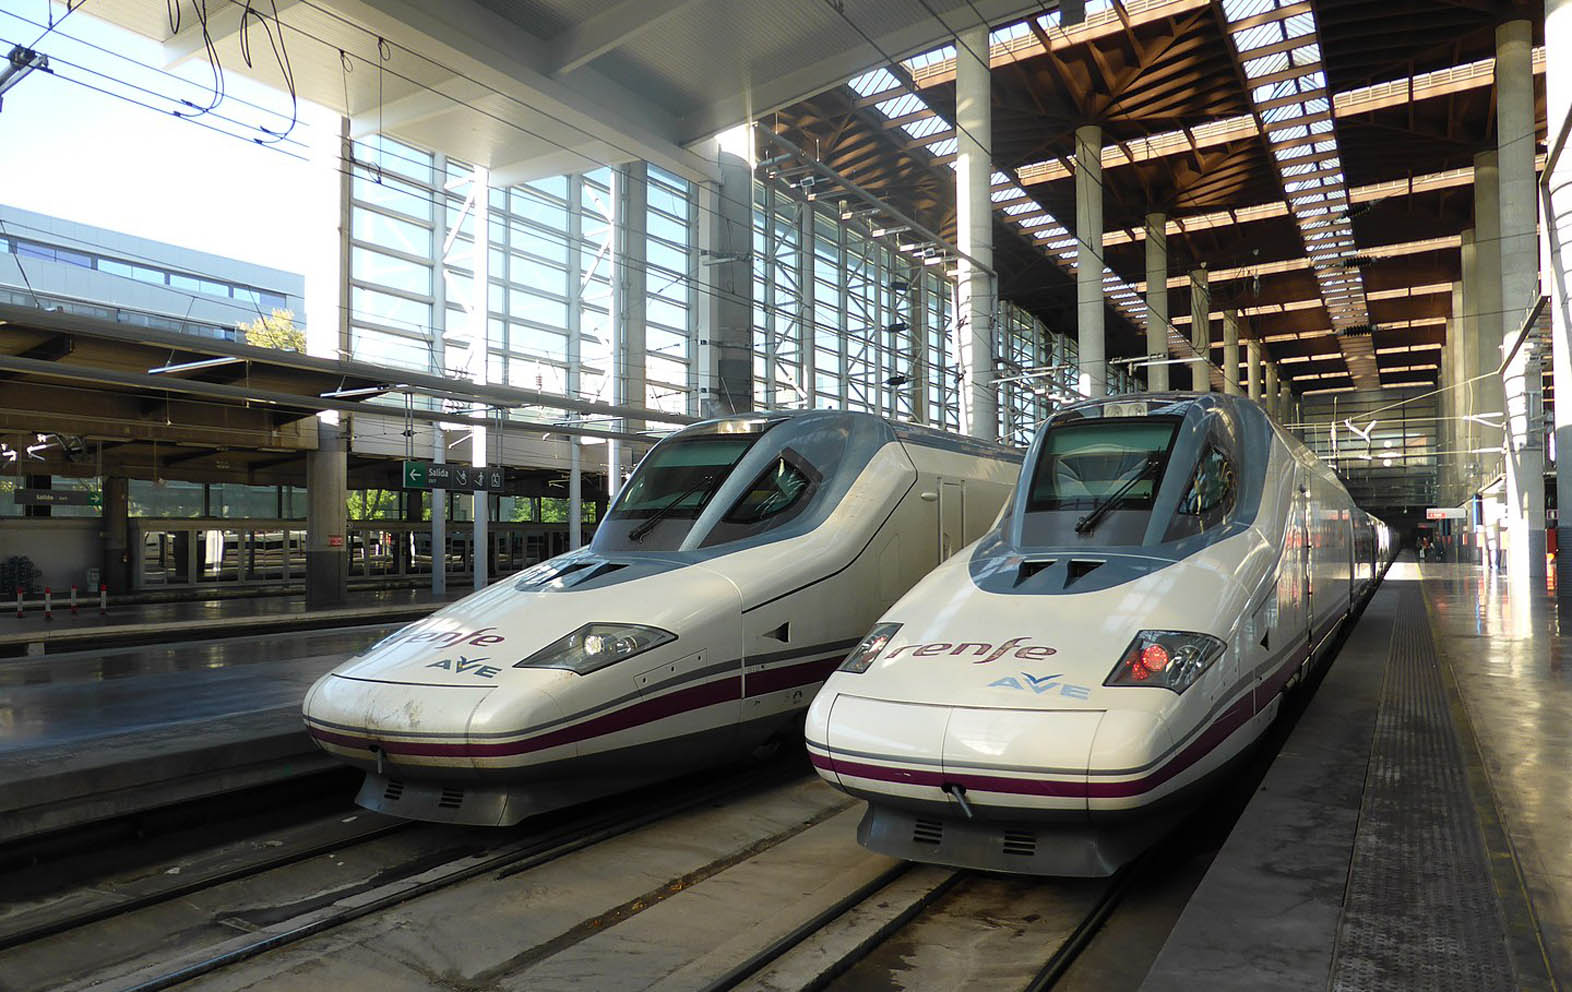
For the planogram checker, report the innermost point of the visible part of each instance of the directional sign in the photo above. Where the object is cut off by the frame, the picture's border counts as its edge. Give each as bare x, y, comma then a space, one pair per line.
58, 497
1446, 513
426, 475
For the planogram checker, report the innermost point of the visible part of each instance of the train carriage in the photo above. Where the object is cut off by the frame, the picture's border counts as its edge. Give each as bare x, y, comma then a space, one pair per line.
1046, 700
742, 560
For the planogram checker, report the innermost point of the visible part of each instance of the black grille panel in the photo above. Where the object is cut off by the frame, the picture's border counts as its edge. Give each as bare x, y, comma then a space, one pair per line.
927, 832
394, 791
1020, 842
451, 798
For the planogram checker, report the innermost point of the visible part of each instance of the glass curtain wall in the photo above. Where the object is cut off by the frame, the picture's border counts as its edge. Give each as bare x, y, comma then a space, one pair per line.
549, 267
842, 319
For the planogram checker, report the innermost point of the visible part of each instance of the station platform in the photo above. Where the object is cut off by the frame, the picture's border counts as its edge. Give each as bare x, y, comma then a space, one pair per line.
90, 735
154, 623
1415, 831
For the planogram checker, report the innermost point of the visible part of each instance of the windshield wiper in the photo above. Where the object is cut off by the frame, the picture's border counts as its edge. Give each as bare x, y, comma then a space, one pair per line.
1086, 523
637, 533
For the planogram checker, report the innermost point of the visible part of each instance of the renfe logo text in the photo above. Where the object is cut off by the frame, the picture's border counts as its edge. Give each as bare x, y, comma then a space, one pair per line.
444, 638
981, 652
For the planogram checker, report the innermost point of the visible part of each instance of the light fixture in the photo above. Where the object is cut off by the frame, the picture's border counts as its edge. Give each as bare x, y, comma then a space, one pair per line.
205, 363
342, 394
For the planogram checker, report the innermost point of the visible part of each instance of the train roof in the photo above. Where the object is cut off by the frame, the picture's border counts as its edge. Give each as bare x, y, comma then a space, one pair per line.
912, 434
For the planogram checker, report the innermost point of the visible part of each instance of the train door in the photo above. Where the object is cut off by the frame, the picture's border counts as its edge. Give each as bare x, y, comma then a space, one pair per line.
952, 518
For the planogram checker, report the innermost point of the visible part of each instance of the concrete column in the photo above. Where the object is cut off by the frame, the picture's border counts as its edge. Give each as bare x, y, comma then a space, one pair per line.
1089, 260
1468, 351
628, 303
1285, 404
1519, 286
1200, 330
325, 251
1231, 353
575, 494
1270, 397
726, 290
327, 551
1253, 368
1490, 397
1452, 403
476, 324
1157, 301
116, 521
1558, 258
439, 518
977, 294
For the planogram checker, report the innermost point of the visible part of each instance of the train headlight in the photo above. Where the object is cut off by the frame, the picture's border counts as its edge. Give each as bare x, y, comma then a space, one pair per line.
869, 648
596, 645
1167, 659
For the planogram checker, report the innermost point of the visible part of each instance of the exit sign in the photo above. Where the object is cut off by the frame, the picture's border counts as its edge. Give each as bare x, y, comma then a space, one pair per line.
58, 497
440, 475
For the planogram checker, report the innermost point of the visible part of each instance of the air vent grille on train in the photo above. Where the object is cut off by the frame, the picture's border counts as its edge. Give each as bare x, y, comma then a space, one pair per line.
451, 798
927, 832
394, 792
1020, 842
1031, 568
1079, 567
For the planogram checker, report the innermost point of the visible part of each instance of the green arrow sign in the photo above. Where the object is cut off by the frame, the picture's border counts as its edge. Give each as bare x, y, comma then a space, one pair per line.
417, 475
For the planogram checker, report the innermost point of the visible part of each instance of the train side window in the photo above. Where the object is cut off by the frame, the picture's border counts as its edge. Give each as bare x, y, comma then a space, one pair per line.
1209, 497
777, 495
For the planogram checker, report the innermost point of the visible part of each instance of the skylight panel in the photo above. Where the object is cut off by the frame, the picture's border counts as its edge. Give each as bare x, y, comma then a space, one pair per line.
873, 81
1256, 68
926, 126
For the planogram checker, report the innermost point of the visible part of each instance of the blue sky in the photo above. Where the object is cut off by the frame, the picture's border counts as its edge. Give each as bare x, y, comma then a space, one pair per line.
71, 152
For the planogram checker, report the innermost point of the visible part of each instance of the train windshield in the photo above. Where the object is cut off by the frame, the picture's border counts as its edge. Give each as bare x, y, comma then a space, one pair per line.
674, 484
1098, 479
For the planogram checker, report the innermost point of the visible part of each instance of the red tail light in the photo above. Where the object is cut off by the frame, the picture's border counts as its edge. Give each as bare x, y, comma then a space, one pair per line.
1169, 659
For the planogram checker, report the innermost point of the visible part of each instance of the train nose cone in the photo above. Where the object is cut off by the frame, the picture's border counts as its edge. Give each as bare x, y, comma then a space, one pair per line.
374, 724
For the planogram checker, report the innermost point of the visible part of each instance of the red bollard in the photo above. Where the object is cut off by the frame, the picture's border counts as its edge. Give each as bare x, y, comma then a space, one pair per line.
103, 599
49, 604
19, 602
73, 599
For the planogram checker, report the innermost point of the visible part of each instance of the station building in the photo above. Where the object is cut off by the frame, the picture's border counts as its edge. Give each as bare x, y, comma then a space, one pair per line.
549, 233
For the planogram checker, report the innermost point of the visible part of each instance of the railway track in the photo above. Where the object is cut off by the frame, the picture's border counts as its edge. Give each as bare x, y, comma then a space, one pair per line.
399, 861
749, 880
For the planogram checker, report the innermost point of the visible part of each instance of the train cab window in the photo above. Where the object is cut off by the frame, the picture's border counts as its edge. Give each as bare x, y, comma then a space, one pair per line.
672, 486
1208, 498
781, 492
1097, 480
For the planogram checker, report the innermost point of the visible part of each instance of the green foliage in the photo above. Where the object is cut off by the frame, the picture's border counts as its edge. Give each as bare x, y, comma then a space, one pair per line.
372, 504
275, 331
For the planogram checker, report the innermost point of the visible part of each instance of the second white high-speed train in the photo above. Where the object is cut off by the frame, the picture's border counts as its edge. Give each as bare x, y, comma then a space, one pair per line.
1043, 702
735, 569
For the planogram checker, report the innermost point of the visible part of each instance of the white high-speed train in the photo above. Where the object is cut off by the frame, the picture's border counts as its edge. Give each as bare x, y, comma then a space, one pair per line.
735, 569
1046, 701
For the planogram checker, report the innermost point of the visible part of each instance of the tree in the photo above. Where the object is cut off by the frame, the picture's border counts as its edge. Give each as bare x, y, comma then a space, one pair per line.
275, 331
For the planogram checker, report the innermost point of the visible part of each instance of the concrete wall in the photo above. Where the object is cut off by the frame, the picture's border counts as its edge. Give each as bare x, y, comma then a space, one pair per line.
61, 549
